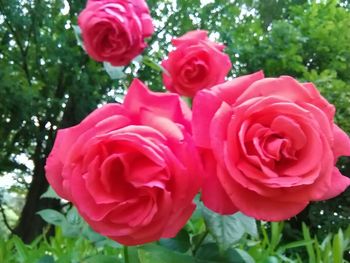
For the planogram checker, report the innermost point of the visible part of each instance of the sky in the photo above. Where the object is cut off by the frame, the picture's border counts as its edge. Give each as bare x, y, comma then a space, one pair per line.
8, 179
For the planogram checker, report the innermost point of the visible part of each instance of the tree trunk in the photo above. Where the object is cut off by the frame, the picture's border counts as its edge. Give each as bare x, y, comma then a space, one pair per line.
30, 224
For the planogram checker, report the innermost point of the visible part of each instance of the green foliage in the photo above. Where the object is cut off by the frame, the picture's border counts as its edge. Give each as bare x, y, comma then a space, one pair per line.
57, 249
154, 253
207, 238
331, 249
52, 216
271, 247
268, 246
180, 243
227, 230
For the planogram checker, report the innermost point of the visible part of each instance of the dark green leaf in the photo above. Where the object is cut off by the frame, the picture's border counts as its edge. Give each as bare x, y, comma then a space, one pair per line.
154, 253
102, 259
227, 230
238, 256
211, 253
179, 243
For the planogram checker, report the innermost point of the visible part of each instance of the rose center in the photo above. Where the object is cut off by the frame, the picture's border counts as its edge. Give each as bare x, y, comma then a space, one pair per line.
194, 71
275, 147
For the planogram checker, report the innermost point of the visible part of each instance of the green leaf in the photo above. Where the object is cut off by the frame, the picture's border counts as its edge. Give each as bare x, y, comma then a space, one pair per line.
238, 256
20, 248
92, 235
309, 248
248, 223
295, 244
153, 65
318, 251
272, 259
133, 255
73, 216
46, 259
102, 259
153, 253
179, 243
114, 72
52, 217
50, 193
338, 247
69, 230
72, 226
326, 248
276, 234
78, 37
108, 242
210, 253
227, 230
201, 238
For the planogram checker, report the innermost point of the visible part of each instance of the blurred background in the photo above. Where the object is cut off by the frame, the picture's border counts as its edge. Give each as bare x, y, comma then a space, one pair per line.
47, 82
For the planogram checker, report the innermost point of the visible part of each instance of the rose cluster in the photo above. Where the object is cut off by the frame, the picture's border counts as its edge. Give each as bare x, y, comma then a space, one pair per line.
262, 146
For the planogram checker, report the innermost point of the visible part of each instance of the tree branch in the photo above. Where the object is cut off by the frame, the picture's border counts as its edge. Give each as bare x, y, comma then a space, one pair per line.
19, 44
4, 217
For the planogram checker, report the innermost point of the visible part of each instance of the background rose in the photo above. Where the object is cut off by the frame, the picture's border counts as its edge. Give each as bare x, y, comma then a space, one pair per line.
126, 167
197, 63
269, 146
114, 31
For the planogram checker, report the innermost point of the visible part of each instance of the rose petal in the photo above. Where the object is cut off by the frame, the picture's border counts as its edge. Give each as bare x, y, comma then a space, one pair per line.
53, 171
178, 220
341, 145
213, 194
319, 101
287, 127
84, 202
339, 183
257, 206
218, 131
164, 104
291, 91
166, 126
205, 105
231, 90
190, 38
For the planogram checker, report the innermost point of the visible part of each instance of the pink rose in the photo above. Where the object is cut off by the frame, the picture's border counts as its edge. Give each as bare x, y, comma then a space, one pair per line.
197, 63
115, 30
127, 168
269, 146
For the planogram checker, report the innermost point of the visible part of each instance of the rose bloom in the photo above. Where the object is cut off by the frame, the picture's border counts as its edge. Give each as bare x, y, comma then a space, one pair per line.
197, 63
132, 170
115, 30
269, 146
